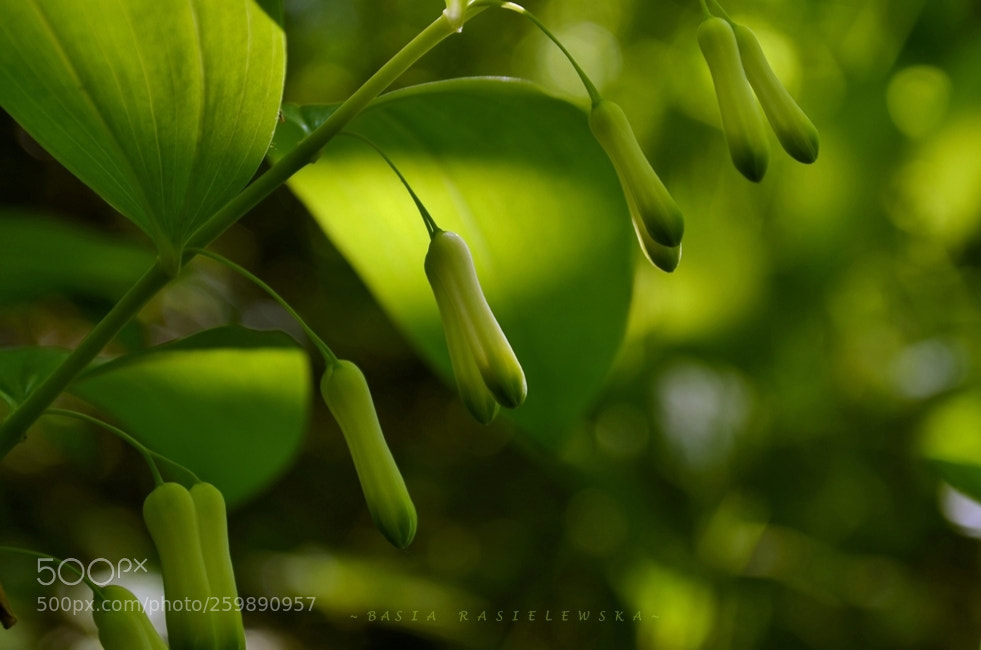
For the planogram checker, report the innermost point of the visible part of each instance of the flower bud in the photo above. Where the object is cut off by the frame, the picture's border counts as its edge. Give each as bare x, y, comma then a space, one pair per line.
209, 504
345, 391
795, 131
471, 329
742, 120
122, 623
648, 199
172, 521
473, 392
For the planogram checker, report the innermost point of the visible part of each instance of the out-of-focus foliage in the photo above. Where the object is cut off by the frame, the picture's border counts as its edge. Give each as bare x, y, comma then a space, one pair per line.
766, 466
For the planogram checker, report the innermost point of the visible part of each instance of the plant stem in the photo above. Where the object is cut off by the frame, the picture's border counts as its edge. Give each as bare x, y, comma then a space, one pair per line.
15, 427
722, 12
133, 442
46, 556
594, 95
427, 218
308, 150
324, 349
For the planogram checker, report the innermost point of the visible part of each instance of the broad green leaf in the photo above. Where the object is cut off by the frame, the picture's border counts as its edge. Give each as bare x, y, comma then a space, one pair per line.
22, 369
231, 404
951, 442
517, 173
163, 107
42, 255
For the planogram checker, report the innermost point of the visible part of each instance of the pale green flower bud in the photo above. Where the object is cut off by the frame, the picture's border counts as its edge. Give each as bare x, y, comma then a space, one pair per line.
742, 120
473, 392
209, 504
470, 323
345, 391
172, 521
663, 257
796, 133
647, 198
122, 623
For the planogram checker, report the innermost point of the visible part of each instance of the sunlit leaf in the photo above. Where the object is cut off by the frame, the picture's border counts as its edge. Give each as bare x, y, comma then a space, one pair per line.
42, 255
231, 404
517, 173
163, 107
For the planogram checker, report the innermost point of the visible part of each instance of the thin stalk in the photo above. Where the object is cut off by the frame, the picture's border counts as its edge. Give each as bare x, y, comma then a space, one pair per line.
705, 9
46, 556
15, 426
427, 218
133, 442
594, 95
324, 349
722, 12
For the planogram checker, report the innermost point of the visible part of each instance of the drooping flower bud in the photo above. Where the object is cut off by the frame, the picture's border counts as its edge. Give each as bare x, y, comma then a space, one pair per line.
172, 521
742, 120
796, 132
473, 392
648, 199
209, 504
471, 327
122, 623
345, 391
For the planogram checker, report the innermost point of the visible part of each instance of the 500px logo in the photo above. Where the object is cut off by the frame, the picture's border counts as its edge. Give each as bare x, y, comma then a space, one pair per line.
77, 571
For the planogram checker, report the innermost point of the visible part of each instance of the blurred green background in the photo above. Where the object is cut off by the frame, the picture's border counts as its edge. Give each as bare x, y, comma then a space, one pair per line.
755, 473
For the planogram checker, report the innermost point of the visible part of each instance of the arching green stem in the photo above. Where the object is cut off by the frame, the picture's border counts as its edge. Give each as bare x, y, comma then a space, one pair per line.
431, 226
594, 95
722, 12
322, 347
147, 453
46, 556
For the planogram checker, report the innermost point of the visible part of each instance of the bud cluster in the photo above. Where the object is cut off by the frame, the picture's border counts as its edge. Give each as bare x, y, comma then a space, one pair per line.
487, 371
744, 81
190, 532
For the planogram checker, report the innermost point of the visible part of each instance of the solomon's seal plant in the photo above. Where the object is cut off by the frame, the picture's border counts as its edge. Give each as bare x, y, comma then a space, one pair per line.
166, 108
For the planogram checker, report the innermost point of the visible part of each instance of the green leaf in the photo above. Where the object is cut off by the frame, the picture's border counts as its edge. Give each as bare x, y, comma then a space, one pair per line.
163, 107
22, 369
42, 255
517, 173
231, 404
951, 443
